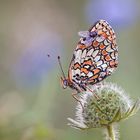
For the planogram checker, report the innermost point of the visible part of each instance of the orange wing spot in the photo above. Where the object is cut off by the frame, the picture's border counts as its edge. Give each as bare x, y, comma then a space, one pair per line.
92, 79
104, 52
107, 58
95, 43
111, 32
100, 32
95, 76
88, 62
77, 66
95, 71
110, 38
113, 63
80, 46
104, 35
102, 46
84, 70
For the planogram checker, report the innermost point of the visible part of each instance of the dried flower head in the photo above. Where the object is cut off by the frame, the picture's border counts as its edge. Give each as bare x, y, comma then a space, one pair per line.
112, 105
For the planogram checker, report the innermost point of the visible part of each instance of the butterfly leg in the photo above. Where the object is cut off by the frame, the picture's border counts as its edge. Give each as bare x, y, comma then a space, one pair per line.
95, 95
77, 99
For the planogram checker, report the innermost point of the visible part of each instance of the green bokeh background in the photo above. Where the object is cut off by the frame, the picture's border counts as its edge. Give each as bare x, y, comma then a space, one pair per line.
40, 112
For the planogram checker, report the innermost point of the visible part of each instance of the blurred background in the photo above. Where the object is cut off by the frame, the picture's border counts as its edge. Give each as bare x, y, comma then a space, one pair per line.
33, 106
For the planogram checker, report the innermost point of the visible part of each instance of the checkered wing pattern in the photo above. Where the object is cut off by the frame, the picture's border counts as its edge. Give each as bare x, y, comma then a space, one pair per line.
96, 55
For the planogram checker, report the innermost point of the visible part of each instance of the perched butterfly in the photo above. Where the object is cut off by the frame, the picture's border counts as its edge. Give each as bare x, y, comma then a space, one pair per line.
94, 59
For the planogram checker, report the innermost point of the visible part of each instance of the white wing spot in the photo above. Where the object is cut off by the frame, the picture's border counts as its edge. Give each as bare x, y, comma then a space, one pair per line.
104, 66
106, 42
84, 53
95, 53
90, 74
99, 63
90, 52
97, 58
109, 49
77, 71
100, 38
83, 74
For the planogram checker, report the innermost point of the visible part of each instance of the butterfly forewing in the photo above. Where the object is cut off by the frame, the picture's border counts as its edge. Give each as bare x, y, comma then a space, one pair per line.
96, 55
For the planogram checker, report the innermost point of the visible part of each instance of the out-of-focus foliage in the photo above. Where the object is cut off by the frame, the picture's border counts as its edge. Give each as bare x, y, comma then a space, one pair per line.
33, 106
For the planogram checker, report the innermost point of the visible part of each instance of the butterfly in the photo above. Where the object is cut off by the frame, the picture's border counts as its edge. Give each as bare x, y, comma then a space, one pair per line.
94, 58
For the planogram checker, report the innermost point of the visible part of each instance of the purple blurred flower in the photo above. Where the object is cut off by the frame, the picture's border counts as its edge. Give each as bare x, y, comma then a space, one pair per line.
116, 12
34, 62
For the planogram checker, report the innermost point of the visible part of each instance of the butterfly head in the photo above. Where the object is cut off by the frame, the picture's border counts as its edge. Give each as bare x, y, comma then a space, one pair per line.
64, 82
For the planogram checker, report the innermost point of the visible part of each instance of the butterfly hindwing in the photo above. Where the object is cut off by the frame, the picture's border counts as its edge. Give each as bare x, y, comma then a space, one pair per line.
96, 55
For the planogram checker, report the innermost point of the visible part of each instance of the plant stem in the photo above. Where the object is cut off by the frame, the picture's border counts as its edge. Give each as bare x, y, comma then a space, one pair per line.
111, 132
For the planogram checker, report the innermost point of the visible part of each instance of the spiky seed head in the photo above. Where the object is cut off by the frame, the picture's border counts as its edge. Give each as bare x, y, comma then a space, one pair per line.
112, 105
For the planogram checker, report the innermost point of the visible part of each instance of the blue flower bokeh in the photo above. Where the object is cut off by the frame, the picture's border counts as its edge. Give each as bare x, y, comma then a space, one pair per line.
117, 12
34, 62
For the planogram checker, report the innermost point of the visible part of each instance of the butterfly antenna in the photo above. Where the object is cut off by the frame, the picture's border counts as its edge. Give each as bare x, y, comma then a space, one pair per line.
61, 67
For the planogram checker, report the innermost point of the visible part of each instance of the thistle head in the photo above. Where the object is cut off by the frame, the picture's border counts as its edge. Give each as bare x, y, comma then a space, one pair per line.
112, 105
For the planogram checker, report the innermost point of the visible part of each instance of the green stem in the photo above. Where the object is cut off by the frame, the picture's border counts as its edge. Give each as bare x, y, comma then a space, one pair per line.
111, 132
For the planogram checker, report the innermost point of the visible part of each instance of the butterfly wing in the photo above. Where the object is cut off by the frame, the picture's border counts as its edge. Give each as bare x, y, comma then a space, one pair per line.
96, 55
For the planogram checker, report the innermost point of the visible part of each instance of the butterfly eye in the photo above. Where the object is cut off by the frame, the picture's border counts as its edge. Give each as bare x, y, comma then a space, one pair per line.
65, 83
93, 34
